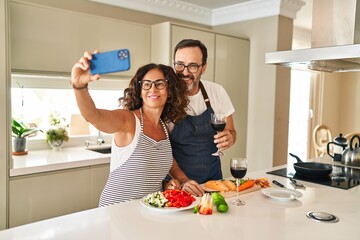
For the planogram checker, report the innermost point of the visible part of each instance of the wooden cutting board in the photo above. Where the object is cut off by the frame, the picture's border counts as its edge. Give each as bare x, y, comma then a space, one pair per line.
230, 194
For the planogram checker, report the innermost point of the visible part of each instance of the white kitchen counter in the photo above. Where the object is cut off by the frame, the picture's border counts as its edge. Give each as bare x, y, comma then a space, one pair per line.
261, 218
39, 161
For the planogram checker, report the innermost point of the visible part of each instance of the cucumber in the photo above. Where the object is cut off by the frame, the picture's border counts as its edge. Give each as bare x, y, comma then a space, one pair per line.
220, 203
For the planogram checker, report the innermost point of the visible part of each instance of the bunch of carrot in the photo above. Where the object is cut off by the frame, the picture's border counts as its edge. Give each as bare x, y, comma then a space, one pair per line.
247, 184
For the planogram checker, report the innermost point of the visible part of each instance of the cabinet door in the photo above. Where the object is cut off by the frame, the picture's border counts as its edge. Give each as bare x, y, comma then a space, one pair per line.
42, 196
232, 72
45, 39
207, 38
99, 176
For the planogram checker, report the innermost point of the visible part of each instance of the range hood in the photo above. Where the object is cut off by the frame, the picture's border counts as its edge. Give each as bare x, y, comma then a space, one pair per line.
335, 40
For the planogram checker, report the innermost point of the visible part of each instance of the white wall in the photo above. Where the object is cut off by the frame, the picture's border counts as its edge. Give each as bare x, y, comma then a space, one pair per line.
350, 103
341, 102
269, 89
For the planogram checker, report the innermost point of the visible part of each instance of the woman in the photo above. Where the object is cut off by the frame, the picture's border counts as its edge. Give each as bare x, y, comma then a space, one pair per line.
141, 151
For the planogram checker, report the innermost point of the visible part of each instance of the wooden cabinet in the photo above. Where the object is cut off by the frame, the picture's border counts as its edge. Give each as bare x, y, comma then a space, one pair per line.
47, 39
41, 196
228, 65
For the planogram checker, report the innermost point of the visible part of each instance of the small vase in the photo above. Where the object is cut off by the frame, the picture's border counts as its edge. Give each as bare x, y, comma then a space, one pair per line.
56, 145
19, 144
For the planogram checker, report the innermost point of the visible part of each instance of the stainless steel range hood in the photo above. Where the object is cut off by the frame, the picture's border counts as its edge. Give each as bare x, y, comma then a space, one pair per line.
335, 40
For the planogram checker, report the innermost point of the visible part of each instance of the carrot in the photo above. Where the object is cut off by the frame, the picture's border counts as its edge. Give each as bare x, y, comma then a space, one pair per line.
246, 185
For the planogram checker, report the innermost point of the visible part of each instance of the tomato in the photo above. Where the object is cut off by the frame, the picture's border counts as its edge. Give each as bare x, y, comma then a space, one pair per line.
206, 210
178, 198
205, 206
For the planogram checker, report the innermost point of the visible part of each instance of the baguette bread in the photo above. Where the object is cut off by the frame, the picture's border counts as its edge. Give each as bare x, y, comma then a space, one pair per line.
216, 185
230, 184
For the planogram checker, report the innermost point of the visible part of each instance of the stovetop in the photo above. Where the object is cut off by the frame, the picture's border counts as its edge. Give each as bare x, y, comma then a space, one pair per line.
341, 177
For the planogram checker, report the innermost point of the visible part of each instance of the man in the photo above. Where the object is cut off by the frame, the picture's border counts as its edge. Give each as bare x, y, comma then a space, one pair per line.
193, 140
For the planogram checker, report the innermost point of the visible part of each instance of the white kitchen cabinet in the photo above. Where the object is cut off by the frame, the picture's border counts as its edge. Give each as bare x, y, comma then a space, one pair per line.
99, 176
47, 39
41, 196
232, 72
228, 65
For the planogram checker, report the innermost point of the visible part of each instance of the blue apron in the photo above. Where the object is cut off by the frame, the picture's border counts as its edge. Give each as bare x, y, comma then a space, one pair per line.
192, 142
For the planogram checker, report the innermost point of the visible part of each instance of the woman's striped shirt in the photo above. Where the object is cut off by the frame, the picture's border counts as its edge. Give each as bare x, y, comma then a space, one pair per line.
143, 171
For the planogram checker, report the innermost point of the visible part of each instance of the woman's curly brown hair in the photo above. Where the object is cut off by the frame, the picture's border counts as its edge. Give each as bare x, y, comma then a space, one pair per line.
177, 101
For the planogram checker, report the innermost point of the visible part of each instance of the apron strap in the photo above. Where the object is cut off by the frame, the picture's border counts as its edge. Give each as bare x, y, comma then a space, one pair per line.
206, 98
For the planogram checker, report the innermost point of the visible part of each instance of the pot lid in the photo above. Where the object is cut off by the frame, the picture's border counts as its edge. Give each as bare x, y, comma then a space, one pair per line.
340, 139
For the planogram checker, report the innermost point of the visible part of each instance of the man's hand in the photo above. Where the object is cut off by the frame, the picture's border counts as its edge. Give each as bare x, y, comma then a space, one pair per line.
224, 140
193, 188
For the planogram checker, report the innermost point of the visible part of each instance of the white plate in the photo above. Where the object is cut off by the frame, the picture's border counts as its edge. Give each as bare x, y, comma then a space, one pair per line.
169, 209
281, 194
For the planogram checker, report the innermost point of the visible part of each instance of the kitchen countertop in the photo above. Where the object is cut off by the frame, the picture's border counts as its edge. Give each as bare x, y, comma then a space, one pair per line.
260, 218
40, 161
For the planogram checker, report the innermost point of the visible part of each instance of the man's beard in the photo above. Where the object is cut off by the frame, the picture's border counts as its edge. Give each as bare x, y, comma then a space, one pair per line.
194, 82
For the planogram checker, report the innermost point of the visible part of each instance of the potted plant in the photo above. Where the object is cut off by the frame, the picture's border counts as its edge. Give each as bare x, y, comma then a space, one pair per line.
57, 134
19, 132
56, 137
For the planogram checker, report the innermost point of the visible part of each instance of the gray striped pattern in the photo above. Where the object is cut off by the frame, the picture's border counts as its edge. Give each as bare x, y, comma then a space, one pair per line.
142, 173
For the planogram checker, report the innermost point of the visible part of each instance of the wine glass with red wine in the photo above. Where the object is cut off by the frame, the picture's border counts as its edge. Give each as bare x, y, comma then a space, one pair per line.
238, 169
218, 123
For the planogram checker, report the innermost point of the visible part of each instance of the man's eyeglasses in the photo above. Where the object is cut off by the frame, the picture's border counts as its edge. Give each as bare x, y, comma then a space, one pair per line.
192, 67
147, 84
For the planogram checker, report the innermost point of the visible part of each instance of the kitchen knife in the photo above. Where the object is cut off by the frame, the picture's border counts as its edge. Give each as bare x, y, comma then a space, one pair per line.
277, 183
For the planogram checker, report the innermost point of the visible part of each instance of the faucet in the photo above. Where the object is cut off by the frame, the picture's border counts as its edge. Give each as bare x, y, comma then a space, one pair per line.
99, 140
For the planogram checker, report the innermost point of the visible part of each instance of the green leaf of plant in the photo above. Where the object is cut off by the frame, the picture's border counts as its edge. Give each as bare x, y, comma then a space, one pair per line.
29, 131
20, 130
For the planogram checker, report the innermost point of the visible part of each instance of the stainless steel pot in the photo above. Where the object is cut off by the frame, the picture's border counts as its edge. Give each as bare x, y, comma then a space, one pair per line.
352, 173
351, 155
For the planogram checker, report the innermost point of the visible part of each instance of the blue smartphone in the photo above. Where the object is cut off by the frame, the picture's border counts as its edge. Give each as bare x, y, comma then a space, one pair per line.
109, 62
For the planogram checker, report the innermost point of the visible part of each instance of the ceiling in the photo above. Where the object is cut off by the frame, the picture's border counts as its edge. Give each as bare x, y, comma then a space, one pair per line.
218, 12
214, 4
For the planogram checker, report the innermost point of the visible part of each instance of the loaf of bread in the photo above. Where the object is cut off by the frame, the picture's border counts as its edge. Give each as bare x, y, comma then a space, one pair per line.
230, 184
216, 185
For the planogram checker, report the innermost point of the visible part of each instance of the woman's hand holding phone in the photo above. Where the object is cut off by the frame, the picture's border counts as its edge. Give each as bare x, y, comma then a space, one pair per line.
80, 73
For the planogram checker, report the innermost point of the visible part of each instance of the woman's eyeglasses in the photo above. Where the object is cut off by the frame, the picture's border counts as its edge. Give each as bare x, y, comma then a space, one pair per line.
192, 67
159, 84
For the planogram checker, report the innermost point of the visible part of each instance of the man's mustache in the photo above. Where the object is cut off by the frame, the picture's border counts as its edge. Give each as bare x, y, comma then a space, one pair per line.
191, 77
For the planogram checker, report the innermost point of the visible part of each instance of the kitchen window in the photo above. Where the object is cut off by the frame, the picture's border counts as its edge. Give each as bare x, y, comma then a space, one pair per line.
299, 115
300, 102
34, 98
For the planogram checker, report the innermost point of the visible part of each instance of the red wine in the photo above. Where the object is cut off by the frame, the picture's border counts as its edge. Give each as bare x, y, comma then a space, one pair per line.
218, 126
238, 172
